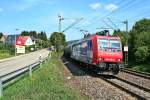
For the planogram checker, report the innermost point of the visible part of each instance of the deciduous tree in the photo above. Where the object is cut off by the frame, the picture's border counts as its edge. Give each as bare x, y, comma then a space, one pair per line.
139, 41
58, 40
1, 34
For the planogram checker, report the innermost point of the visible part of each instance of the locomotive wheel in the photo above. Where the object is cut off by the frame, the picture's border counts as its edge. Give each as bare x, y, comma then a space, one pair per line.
98, 71
115, 70
95, 71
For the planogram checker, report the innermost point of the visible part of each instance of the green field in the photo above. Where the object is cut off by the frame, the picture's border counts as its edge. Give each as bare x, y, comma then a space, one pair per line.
47, 83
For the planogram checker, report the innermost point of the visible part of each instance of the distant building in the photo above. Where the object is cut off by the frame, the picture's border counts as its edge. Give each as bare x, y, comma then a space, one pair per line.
24, 41
10, 40
3, 38
33, 39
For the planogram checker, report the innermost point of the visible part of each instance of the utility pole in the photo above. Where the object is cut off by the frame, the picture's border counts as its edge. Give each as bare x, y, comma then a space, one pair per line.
15, 41
60, 18
126, 47
73, 24
126, 22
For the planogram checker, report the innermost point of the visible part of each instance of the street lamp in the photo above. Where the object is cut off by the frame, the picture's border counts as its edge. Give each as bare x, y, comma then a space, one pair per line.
15, 40
60, 20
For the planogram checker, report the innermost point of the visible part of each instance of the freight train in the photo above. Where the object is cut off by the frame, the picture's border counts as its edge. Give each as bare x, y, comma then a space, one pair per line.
100, 52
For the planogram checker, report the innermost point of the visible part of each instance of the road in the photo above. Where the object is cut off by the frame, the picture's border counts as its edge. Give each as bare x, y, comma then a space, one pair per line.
21, 61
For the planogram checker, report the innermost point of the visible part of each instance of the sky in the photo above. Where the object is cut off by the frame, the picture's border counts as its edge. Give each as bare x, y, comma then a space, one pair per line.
42, 15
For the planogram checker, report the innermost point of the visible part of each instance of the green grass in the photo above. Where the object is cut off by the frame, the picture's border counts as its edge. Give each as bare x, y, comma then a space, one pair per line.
141, 67
47, 83
5, 54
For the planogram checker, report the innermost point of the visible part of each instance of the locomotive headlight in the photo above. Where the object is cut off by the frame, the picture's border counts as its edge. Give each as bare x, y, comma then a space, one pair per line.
100, 59
119, 59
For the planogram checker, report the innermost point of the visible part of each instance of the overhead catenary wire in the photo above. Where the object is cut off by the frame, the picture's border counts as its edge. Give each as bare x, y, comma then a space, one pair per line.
96, 18
107, 24
128, 6
120, 8
124, 5
131, 4
139, 7
141, 15
113, 23
78, 20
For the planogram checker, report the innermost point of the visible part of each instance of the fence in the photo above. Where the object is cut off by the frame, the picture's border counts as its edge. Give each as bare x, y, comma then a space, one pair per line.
13, 75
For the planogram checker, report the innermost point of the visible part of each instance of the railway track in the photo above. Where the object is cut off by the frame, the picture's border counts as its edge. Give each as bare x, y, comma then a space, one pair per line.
141, 93
132, 87
140, 74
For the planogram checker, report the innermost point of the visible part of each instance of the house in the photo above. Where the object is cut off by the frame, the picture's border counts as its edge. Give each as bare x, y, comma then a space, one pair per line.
24, 41
3, 38
10, 40
33, 39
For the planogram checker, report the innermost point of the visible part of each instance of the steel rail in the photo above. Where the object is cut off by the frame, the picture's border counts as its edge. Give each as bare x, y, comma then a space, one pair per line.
140, 74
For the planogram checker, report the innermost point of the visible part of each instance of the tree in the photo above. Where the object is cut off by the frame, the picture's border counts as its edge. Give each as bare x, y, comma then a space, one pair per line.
122, 35
141, 54
25, 33
139, 39
42, 36
33, 33
58, 40
42, 40
1, 34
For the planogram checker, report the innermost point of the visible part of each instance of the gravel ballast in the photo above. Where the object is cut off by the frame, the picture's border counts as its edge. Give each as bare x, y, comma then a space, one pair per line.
93, 87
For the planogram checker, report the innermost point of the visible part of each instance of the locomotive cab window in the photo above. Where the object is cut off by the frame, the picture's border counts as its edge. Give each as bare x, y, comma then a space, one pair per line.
109, 44
115, 44
103, 43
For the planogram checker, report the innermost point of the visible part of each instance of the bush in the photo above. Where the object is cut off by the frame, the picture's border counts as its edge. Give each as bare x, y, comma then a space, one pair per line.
42, 44
2, 47
141, 54
8, 48
4, 54
28, 48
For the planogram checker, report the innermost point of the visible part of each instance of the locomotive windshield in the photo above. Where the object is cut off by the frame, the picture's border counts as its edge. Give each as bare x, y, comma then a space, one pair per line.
109, 44
115, 44
104, 43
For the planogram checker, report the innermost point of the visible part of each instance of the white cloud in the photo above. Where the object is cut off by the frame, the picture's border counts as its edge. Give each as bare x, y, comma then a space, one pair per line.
96, 5
111, 7
1, 10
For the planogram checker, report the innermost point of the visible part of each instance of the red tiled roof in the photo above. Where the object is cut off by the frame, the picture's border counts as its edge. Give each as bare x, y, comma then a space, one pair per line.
21, 40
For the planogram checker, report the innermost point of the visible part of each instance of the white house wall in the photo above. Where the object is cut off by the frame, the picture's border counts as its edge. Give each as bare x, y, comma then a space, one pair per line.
29, 42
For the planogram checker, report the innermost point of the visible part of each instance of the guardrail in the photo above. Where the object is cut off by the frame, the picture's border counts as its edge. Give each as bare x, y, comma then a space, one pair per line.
13, 75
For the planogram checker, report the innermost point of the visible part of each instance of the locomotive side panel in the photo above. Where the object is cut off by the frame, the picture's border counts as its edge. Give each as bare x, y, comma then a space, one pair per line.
95, 50
82, 51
